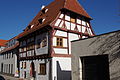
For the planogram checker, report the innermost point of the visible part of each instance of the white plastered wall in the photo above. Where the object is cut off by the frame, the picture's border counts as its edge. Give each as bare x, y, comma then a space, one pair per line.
65, 65
36, 65
71, 38
43, 50
60, 50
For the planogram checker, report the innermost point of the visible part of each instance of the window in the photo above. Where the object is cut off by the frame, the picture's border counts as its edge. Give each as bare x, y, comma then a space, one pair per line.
7, 55
24, 74
38, 43
12, 54
41, 20
59, 41
42, 69
72, 20
11, 68
32, 39
44, 11
30, 47
24, 65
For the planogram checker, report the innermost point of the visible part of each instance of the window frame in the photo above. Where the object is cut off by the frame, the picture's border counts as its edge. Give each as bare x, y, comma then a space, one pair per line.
59, 41
42, 66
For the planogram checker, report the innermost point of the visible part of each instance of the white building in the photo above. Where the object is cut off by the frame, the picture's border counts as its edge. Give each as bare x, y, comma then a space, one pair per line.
8, 58
45, 44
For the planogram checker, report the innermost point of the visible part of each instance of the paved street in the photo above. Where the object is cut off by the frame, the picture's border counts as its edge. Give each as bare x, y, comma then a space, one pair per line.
9, 77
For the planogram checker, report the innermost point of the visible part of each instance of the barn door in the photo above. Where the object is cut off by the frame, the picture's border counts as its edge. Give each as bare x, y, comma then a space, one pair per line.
95, 68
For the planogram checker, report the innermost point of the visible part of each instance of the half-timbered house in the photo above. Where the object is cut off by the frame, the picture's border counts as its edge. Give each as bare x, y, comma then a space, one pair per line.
45, 44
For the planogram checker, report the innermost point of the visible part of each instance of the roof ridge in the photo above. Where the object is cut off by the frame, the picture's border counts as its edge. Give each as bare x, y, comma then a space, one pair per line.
83, 8
76, 7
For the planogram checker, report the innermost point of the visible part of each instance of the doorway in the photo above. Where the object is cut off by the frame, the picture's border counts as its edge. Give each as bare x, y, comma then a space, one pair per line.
32, 69
95, 67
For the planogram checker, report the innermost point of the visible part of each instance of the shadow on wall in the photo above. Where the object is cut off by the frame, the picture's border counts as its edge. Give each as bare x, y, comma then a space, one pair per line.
61, 74
110, 44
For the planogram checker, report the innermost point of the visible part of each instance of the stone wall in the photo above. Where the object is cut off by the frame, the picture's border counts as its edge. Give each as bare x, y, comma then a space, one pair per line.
99, 45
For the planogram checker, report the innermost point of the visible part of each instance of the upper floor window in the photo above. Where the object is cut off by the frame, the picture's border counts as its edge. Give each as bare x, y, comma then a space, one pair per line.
30, 47
59, 42
41, 20
72, 20
44, 10
41, 42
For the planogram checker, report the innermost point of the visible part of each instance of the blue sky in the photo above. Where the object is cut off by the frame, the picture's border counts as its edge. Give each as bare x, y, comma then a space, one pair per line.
15, 15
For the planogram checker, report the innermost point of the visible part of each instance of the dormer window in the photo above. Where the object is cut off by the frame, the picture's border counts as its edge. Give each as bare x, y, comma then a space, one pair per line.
44, 11
30, 26
41, 20
42, 7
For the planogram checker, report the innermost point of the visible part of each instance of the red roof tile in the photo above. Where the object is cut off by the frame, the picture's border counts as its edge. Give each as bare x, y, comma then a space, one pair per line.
53, 11
73, 5
2, 42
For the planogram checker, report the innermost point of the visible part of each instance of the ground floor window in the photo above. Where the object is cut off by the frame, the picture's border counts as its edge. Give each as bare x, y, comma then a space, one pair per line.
24, 74
24, 65
11, 68
42, 69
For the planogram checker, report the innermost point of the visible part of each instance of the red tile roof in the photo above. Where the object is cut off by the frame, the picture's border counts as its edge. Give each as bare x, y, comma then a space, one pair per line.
10, 48
73, 5
52, 13
2, 42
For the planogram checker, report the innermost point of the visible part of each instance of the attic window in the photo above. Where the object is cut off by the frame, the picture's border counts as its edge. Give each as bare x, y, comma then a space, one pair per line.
41, 20
44, 11
30, 26
42, 7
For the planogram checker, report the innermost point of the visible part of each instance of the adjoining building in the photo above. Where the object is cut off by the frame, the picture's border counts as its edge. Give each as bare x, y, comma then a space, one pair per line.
9, 58
45, 44
97, 58
2, 44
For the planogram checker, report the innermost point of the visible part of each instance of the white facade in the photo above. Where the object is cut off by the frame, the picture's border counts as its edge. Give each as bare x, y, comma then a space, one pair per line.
37, 66
61, 67
8, 63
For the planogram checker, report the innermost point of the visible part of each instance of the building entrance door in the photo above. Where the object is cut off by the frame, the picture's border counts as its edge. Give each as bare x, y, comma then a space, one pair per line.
32, 70
95, 68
